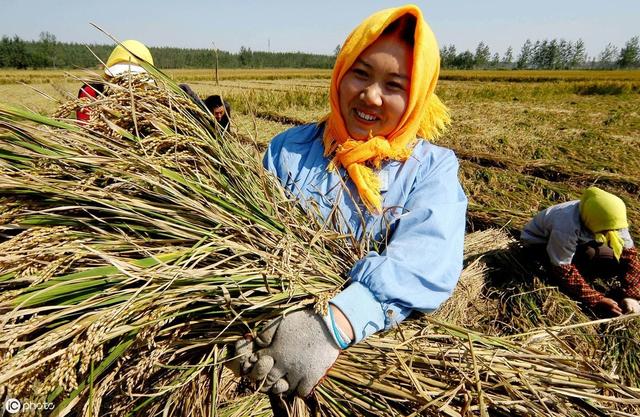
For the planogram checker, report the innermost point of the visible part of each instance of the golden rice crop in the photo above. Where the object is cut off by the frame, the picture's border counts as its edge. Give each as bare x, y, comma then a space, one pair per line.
135, 248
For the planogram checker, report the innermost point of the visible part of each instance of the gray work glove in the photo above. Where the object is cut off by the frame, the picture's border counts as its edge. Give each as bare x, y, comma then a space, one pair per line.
630, 306
240, 363
294, 354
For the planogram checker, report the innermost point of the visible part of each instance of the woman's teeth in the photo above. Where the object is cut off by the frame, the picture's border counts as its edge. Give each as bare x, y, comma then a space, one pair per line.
365, 116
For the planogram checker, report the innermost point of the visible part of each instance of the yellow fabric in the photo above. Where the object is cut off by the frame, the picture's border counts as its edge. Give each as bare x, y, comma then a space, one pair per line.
130, 51
425, 115
604, 213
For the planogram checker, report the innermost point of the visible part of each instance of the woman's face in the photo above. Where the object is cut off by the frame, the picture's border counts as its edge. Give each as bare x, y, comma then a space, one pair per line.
374, 92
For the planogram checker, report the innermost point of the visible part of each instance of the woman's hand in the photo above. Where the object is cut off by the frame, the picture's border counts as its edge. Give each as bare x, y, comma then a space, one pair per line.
610, 306
342, 322
292, 354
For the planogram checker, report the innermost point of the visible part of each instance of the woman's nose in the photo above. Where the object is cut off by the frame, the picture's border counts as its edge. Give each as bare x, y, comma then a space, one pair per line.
372, 95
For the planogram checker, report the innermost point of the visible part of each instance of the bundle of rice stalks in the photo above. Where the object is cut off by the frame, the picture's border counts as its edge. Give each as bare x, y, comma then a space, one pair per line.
527, 300
136, 247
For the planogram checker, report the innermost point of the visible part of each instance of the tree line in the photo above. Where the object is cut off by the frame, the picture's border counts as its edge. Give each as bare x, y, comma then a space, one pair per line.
546, 54
47, 52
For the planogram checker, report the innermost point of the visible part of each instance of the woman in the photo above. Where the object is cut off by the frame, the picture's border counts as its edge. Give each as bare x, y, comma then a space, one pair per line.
390, 186
585, 239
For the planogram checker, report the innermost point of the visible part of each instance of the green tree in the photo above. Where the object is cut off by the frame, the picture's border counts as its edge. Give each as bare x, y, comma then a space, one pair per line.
245, 56
482, 55
508, 57
579, 57
464, 60
15, 53
608, 57
46, 49
564, 56
495, 61
524, 59
447, 56
552, 56
630, 54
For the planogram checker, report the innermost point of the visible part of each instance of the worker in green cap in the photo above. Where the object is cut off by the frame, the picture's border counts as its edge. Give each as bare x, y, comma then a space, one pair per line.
588, 240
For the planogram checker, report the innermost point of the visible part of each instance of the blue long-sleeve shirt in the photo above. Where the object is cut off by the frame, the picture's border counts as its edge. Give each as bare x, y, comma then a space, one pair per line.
421, 231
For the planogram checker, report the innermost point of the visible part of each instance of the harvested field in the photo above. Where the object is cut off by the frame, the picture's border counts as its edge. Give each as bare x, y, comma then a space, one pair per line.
133, 249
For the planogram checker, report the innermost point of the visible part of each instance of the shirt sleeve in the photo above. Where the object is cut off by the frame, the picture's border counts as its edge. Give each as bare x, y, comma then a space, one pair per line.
626, 238
574, 283
533, 233
631, 279
88, 92
272, 158
422, 261
561, 247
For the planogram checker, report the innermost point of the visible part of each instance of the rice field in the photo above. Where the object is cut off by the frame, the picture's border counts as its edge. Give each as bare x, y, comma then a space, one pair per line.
506, 343
524, 144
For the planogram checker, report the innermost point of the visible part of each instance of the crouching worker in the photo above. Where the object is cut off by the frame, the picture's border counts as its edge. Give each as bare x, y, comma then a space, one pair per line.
369, 161
220, 109
125, 58
585, 241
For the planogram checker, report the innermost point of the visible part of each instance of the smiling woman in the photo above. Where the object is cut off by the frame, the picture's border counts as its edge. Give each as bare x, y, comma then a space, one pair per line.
368, 171
375, 91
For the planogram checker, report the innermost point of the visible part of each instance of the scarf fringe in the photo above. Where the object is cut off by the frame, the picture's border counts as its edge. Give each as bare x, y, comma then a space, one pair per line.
613, 240
435, 120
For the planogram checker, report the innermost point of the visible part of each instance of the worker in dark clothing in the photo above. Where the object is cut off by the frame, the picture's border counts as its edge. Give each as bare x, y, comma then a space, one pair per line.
220, 109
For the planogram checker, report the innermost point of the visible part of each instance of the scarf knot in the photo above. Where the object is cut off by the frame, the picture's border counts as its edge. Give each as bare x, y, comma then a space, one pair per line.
359, 158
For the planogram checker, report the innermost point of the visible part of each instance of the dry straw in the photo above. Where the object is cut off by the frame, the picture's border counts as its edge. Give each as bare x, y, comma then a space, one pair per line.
138, 246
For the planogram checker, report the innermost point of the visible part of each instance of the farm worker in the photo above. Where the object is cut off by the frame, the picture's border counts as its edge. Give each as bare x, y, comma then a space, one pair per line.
370, 159
586, 239
220, 109
125, 57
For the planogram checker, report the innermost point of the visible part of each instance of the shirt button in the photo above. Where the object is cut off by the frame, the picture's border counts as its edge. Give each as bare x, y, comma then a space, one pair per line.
389, 313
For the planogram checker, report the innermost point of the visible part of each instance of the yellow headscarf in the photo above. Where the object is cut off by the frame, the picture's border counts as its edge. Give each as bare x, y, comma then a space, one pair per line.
604, 212
425, 115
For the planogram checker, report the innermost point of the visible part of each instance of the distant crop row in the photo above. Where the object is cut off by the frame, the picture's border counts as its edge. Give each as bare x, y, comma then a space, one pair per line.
540, 75
40, 76
10, 76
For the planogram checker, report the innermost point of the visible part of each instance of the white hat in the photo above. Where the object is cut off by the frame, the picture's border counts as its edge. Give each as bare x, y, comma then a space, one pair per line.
123, 67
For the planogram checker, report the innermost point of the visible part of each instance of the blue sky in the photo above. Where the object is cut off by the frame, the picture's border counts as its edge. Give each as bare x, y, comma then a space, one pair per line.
318, 26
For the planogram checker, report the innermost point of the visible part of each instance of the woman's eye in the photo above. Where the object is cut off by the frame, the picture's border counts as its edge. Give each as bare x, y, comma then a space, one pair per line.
360, 72
395, 86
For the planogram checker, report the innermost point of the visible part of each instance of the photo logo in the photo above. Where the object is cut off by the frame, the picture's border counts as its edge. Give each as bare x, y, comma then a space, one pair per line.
12, 405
